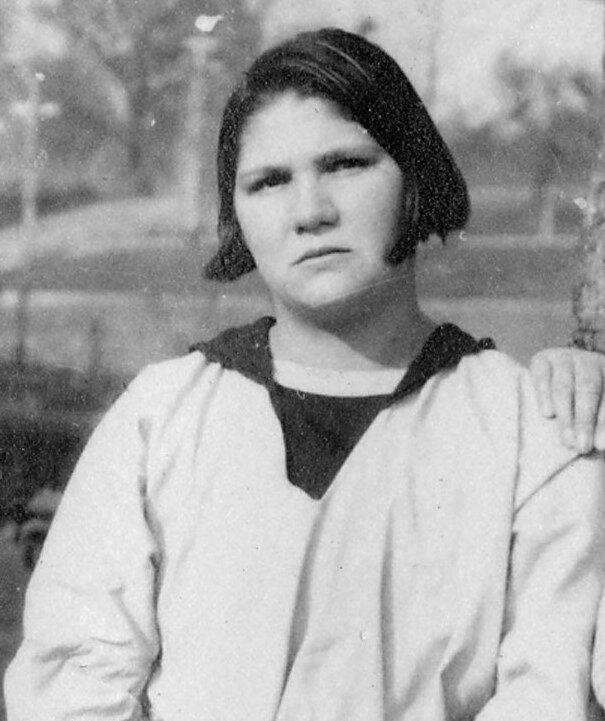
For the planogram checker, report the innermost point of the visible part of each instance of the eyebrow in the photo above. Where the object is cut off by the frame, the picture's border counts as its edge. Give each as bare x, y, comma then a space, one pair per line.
366, 149
260, 172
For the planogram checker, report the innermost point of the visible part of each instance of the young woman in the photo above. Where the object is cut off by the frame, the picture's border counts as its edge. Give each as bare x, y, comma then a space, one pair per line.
343, 512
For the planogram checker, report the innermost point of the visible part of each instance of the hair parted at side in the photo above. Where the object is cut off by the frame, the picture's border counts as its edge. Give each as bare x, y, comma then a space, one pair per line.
371, 89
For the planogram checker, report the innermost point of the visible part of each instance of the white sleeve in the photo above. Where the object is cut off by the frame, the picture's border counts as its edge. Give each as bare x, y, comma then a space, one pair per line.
90, 636
554, 585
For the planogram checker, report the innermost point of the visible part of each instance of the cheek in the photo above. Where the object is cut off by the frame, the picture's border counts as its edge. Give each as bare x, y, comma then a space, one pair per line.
262, 232
255, 225
378, 214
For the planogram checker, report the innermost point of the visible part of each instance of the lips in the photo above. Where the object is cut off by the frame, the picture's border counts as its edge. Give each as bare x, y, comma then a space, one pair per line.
321, 252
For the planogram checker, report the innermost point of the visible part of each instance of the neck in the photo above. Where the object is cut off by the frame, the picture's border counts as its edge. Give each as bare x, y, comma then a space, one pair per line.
384, 328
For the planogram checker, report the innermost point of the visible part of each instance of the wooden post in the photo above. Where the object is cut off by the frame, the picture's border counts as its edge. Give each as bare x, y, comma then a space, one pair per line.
589, 295
199, 45
28, 210
432, 73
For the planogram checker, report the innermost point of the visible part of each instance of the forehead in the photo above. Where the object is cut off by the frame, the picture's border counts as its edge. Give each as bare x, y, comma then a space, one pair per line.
290, 126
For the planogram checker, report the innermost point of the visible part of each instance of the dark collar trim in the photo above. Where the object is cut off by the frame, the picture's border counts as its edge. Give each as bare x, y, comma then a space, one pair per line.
444, 348
246, 350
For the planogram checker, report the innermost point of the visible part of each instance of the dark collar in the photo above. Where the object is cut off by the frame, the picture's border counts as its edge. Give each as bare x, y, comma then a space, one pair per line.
246, 350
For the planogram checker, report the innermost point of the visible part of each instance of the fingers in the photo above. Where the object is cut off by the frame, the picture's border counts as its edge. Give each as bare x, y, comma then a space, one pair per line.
562, 396
571, 386
541, 372
588, 393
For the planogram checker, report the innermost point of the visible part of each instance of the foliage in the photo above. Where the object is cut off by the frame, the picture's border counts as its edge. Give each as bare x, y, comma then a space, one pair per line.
129, 69
557, 110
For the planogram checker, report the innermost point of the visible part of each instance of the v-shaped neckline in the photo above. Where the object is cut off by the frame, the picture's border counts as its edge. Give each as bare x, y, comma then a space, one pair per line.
318, 437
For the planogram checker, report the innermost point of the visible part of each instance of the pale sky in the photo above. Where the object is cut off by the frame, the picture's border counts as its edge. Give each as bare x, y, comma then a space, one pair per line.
472, 33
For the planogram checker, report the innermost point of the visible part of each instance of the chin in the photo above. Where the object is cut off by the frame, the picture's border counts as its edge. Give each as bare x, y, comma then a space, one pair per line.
323, 292
329, 304
335, 295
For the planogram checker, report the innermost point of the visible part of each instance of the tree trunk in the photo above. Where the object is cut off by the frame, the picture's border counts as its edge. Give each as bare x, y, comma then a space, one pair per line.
432, 73
589, 296
29, 187
138, 131
138, 149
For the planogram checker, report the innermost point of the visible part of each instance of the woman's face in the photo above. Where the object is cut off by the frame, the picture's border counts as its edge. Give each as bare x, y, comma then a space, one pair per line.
319, 203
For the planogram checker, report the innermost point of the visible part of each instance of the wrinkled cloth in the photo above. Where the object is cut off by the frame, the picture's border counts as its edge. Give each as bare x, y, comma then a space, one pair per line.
452, 570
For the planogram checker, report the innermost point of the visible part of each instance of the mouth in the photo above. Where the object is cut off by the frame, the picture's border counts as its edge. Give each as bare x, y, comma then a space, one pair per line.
321, 253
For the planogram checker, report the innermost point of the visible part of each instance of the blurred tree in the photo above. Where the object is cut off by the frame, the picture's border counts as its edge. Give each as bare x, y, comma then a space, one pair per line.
12, 89
557, 112
128, 68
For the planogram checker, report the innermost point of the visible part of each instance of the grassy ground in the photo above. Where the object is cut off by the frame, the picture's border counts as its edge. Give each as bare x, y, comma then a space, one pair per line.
136, 332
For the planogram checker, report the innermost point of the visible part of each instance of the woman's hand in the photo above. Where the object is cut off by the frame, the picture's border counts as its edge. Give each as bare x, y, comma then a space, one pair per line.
571, 386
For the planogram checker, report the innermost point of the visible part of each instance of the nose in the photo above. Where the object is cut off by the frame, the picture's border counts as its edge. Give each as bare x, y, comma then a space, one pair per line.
314, 209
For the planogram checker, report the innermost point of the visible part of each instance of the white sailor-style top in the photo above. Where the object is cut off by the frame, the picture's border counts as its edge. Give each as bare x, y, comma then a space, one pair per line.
236, 544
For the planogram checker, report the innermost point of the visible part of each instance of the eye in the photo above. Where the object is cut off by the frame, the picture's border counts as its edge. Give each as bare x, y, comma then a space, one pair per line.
270, 180
336, 163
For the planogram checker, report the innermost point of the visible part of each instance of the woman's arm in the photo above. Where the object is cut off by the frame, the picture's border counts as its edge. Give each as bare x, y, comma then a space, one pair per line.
89, 626
570, 384
555, 583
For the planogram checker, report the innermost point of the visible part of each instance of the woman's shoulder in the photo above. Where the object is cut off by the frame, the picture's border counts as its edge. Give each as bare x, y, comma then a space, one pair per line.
244, 349
503, 391
503, 387
496, 374
160, 389
492, 360
166, 378
504, 382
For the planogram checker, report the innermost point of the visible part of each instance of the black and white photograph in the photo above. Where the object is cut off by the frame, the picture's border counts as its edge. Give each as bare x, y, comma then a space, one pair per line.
302, 360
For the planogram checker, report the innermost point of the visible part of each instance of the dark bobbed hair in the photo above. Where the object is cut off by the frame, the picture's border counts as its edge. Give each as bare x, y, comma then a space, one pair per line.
368, 87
